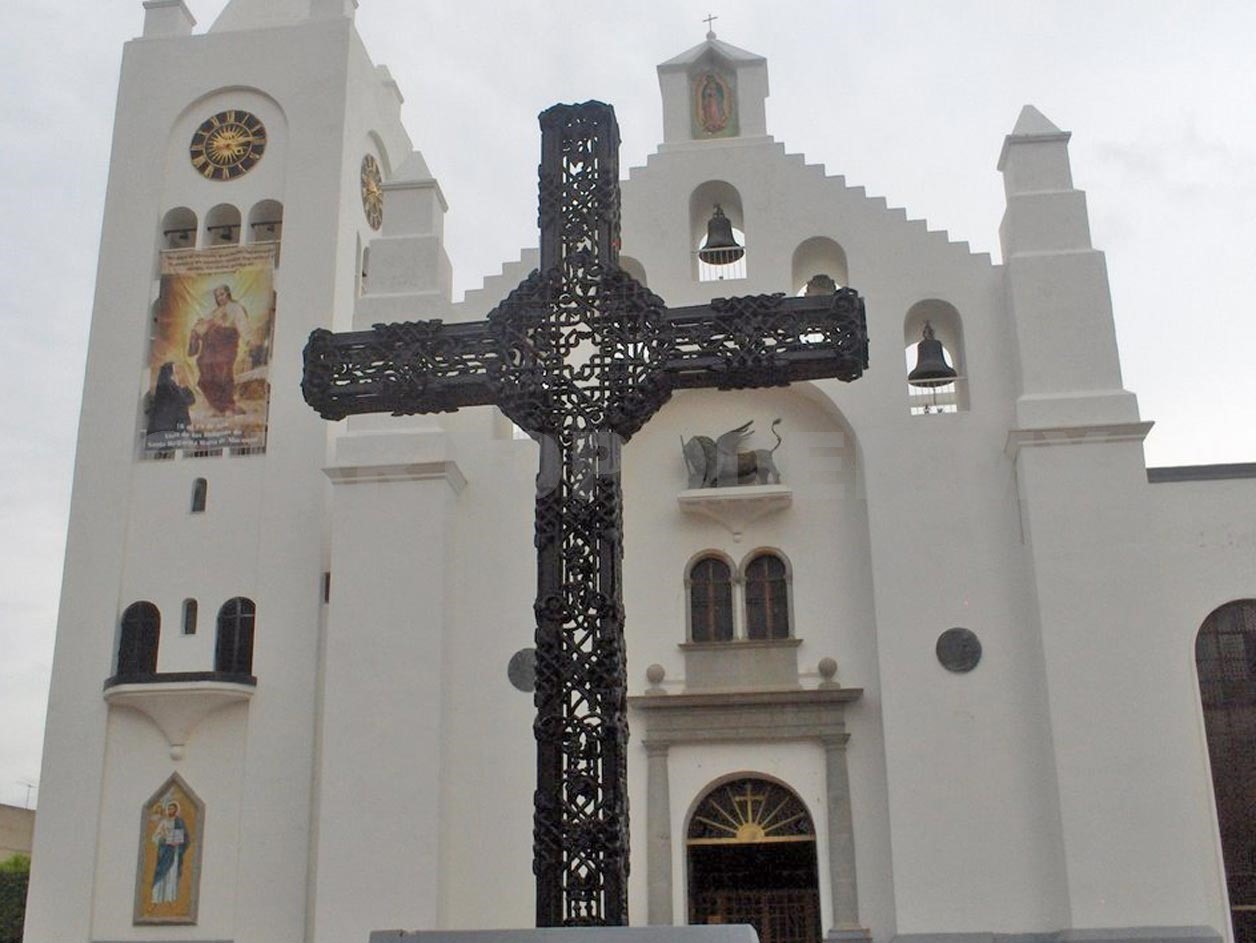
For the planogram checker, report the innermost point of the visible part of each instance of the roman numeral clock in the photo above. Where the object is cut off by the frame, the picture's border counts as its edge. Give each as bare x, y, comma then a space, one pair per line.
227, 145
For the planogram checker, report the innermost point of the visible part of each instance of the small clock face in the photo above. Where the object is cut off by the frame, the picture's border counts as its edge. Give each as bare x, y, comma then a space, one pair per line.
227, 145
372, 192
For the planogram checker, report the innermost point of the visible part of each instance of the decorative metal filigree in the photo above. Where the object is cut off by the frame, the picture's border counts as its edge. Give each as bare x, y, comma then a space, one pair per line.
581, 356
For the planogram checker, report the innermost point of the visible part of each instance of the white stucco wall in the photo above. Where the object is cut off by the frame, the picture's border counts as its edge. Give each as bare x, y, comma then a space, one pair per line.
382, 773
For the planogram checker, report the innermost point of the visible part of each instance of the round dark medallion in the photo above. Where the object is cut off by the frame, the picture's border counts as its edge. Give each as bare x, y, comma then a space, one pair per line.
227, 145
522, 670
959, 650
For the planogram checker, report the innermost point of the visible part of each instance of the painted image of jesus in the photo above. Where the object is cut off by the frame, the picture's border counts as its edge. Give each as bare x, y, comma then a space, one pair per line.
172, 841
215, 343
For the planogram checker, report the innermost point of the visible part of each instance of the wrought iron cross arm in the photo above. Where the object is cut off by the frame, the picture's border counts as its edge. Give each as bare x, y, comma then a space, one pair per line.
419, 367
767, 340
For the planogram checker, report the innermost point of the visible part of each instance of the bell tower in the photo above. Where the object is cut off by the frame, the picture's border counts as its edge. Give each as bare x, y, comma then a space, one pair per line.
251, 167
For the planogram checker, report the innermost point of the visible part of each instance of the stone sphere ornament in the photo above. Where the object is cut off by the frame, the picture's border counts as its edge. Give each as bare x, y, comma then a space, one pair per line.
522, 670
959, 650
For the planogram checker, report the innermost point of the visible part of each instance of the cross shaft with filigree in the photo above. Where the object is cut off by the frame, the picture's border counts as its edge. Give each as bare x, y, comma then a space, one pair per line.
580, 356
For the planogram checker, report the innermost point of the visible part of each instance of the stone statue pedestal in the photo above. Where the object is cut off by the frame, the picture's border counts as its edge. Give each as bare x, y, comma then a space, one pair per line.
723, 933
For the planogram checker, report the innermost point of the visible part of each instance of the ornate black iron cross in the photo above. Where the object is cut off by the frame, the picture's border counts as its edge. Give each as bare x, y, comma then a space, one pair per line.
580, 356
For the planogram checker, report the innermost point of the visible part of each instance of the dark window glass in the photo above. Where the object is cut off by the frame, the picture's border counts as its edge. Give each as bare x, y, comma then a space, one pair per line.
189, 617
1225, 655
711, 601
233, 652
137, 642
199, 490
767, 602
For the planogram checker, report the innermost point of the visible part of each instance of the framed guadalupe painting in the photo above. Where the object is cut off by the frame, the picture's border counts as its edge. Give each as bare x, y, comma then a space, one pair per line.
172, 826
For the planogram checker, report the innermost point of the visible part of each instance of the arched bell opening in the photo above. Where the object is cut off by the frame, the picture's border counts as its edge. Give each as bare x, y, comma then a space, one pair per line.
222, 226
819, 264
266, 224
1225, 659
717, 232
178, 229
751, 849
934, 354
633, 268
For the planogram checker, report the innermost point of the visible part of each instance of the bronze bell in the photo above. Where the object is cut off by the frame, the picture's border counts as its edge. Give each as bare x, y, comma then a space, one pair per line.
721, 247
931, 366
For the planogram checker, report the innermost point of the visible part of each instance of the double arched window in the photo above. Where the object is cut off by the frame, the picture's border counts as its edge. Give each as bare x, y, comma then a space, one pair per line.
711, 600
137, 640
140, 631
751, 604
233, 652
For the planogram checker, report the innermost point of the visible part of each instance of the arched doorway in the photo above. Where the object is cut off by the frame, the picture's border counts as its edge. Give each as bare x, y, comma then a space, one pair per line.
1225, 656
752, 859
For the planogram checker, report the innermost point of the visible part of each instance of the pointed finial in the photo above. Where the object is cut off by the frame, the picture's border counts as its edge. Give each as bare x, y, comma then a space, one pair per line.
708, 21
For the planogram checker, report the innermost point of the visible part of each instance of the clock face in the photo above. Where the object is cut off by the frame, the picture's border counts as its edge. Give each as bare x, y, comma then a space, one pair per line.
372, 192
227, 145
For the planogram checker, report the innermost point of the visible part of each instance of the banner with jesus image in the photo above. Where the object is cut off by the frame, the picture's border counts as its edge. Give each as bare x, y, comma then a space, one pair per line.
171, 829
208, 365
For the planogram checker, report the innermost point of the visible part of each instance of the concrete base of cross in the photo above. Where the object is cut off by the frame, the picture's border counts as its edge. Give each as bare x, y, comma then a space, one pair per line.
723, 933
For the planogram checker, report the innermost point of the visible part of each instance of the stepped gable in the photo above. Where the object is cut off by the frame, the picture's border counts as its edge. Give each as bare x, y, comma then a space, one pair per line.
840, 189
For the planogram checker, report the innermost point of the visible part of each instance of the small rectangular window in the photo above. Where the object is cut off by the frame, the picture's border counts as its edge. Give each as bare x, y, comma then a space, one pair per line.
189, 617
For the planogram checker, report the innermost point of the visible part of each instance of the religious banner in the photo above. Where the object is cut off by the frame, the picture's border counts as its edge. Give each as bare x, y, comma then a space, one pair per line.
714, 105
171, 831
208, 365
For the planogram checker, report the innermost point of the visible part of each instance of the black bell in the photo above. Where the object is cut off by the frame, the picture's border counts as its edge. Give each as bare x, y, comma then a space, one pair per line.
931, 366
721, 247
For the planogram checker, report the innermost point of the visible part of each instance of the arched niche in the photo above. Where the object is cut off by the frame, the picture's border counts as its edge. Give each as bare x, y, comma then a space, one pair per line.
178, 229
266, 221
633, 268
818, 255
702, 203
222, 226
947, 327
1225, 660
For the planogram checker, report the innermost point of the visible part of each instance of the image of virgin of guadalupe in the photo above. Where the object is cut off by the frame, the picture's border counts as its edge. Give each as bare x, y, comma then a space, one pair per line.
713, 104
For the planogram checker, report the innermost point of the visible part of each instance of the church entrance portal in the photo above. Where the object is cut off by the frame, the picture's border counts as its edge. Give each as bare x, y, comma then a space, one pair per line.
1225, 656
752, 859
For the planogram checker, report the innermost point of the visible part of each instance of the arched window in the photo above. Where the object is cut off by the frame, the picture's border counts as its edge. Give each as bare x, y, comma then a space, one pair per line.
178, 229
767, 597
200, 489
715, 210
266, 221
1225, 657
818, 255
222, 225
710, 601
137, 642
752, 859
266, 224
633, 268
233, 653
189, 616
933, 341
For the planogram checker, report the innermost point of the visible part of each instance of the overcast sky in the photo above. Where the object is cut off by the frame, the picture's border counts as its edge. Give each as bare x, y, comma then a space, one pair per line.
909, 98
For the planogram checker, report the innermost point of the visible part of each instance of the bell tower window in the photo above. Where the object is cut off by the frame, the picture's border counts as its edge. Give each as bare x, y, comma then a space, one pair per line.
934, 355
233, 652
138, 638
717, 227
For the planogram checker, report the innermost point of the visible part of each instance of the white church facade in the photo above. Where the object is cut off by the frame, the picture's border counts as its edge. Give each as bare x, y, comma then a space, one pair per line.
950, 661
